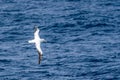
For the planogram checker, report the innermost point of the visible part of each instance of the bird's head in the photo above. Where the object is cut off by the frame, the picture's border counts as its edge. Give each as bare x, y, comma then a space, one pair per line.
43, 40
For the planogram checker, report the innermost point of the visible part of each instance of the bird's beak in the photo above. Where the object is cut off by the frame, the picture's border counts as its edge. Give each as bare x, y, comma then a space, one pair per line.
45, 41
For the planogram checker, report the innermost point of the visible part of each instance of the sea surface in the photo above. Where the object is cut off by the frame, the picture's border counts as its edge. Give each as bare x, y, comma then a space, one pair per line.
83, 39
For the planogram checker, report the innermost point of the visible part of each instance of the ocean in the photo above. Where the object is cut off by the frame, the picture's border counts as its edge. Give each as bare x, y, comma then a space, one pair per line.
83, 39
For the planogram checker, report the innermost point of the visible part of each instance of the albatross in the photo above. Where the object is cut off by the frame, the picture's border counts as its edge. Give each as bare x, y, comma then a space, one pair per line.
37, 41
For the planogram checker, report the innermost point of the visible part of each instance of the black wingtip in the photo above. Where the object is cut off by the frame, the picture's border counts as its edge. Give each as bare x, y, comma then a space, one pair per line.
39, 57
35, 28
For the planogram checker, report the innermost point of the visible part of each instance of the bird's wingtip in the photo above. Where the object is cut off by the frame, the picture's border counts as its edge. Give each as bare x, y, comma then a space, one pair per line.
36, 28
40, 57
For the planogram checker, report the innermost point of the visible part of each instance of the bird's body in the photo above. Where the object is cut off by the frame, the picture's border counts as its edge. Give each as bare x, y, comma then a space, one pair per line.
37, 41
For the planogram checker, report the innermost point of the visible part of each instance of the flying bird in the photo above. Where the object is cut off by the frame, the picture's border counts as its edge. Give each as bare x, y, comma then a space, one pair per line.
37, 41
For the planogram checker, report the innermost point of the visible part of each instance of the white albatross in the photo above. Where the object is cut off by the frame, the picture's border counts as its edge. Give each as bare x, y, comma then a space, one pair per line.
37, 41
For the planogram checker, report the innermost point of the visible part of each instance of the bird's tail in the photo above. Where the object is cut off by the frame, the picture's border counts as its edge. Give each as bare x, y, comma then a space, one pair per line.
31, 41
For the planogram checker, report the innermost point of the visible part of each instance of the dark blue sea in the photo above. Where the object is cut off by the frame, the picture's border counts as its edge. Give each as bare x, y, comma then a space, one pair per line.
83, 39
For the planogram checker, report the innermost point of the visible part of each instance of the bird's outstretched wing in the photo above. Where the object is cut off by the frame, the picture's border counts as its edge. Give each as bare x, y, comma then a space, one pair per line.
40, 57
36, 33
39, 51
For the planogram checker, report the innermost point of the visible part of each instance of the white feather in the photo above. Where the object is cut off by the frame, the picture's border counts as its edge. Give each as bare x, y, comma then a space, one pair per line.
37, 40
31, 41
